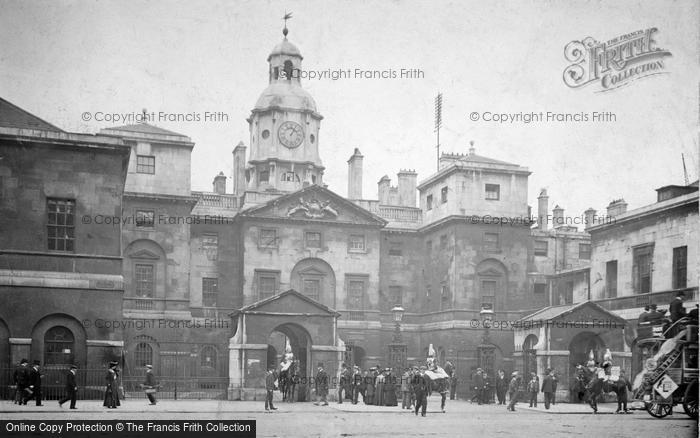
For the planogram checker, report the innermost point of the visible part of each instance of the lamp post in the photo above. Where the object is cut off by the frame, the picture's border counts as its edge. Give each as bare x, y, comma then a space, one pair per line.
398, 312
397, 348
486, 348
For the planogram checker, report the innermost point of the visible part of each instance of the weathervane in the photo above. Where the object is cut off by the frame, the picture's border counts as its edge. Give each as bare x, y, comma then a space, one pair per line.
287, 16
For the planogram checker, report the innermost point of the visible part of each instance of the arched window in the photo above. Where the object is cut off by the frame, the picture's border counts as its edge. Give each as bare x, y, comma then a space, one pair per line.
208, 356
288, 69
143, 354
59, 345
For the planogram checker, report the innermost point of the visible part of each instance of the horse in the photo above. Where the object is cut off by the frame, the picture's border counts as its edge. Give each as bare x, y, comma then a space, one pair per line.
289, 379
596, 384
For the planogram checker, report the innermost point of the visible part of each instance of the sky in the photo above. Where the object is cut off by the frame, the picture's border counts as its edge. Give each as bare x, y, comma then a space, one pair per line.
59, 60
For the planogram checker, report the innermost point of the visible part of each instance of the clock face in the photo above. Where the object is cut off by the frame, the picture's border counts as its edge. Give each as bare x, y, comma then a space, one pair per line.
291, 134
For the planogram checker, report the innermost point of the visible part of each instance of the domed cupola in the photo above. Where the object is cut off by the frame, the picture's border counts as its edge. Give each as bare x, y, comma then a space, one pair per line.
284, 127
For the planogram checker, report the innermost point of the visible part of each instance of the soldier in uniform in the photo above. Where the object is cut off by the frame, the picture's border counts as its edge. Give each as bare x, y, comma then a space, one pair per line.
71, 388
21, 377
34, 384
150, 385
321, 386
420, 385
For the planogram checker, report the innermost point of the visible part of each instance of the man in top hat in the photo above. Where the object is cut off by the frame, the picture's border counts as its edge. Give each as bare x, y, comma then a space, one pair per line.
150, 386
71, 388
321, 386
34, 384
420, 384
21, 379
654, 317
676, 308
644, 317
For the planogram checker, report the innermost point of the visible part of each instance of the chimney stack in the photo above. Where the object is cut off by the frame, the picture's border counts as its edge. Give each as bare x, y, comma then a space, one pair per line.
558, 217
407, 187
384, 185
617, 207
220, 184
543, 211
472, 150
239, 183
590, 217
355, 175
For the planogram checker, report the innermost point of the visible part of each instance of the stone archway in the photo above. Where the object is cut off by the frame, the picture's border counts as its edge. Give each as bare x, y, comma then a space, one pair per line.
309, 327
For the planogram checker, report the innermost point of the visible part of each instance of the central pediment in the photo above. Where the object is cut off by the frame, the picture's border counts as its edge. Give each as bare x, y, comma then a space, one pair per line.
289, 302
314, 203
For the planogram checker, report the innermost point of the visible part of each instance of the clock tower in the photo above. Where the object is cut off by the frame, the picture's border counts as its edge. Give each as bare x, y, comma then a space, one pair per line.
284, 129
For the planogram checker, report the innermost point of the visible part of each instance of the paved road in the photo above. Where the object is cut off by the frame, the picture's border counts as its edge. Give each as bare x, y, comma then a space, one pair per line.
462, 419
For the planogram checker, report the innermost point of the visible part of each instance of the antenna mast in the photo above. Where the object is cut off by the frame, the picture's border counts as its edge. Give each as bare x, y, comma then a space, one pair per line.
438, 124
685, 170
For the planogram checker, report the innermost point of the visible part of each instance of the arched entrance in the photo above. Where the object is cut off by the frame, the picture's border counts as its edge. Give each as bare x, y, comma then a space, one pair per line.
297, 339
529, 356
264, 330
581, 346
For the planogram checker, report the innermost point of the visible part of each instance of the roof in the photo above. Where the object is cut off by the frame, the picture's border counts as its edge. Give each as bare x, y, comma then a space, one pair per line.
648, 210
285, 48
555, 312
12, 116
287, 94
145, 128
290, 292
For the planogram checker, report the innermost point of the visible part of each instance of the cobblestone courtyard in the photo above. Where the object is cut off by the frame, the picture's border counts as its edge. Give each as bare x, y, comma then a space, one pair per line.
307, 420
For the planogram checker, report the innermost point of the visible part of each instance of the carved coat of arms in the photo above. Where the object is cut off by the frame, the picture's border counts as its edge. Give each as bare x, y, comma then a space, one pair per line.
313, 209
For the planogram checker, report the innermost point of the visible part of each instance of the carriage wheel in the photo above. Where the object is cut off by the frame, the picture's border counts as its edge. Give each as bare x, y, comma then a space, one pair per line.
690, 400
658, 410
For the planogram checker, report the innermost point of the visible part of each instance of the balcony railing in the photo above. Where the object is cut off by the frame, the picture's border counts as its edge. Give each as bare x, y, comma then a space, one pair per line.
641, 300
216, 200
400, 214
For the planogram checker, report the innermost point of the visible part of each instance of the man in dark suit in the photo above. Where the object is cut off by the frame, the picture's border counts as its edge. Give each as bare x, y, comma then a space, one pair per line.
150, 385
343, 383
676, 308
21, 377
270, 379
548, 388
321, 386
71, 388
421, 384
34, 384
478, 384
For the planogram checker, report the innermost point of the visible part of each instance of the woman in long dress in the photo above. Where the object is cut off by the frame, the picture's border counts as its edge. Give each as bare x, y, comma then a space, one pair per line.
112, 387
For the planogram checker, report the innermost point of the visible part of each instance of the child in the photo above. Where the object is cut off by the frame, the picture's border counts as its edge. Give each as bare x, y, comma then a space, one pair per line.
533, 389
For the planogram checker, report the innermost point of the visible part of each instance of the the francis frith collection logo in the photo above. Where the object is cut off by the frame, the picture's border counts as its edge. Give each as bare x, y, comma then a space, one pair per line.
614, 63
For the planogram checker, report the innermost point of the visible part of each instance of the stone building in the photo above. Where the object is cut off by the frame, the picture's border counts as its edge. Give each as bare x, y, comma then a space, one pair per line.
60, 253
212, 288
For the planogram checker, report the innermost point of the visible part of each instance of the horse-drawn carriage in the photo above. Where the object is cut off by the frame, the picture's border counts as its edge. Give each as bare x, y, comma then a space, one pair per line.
670, 368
